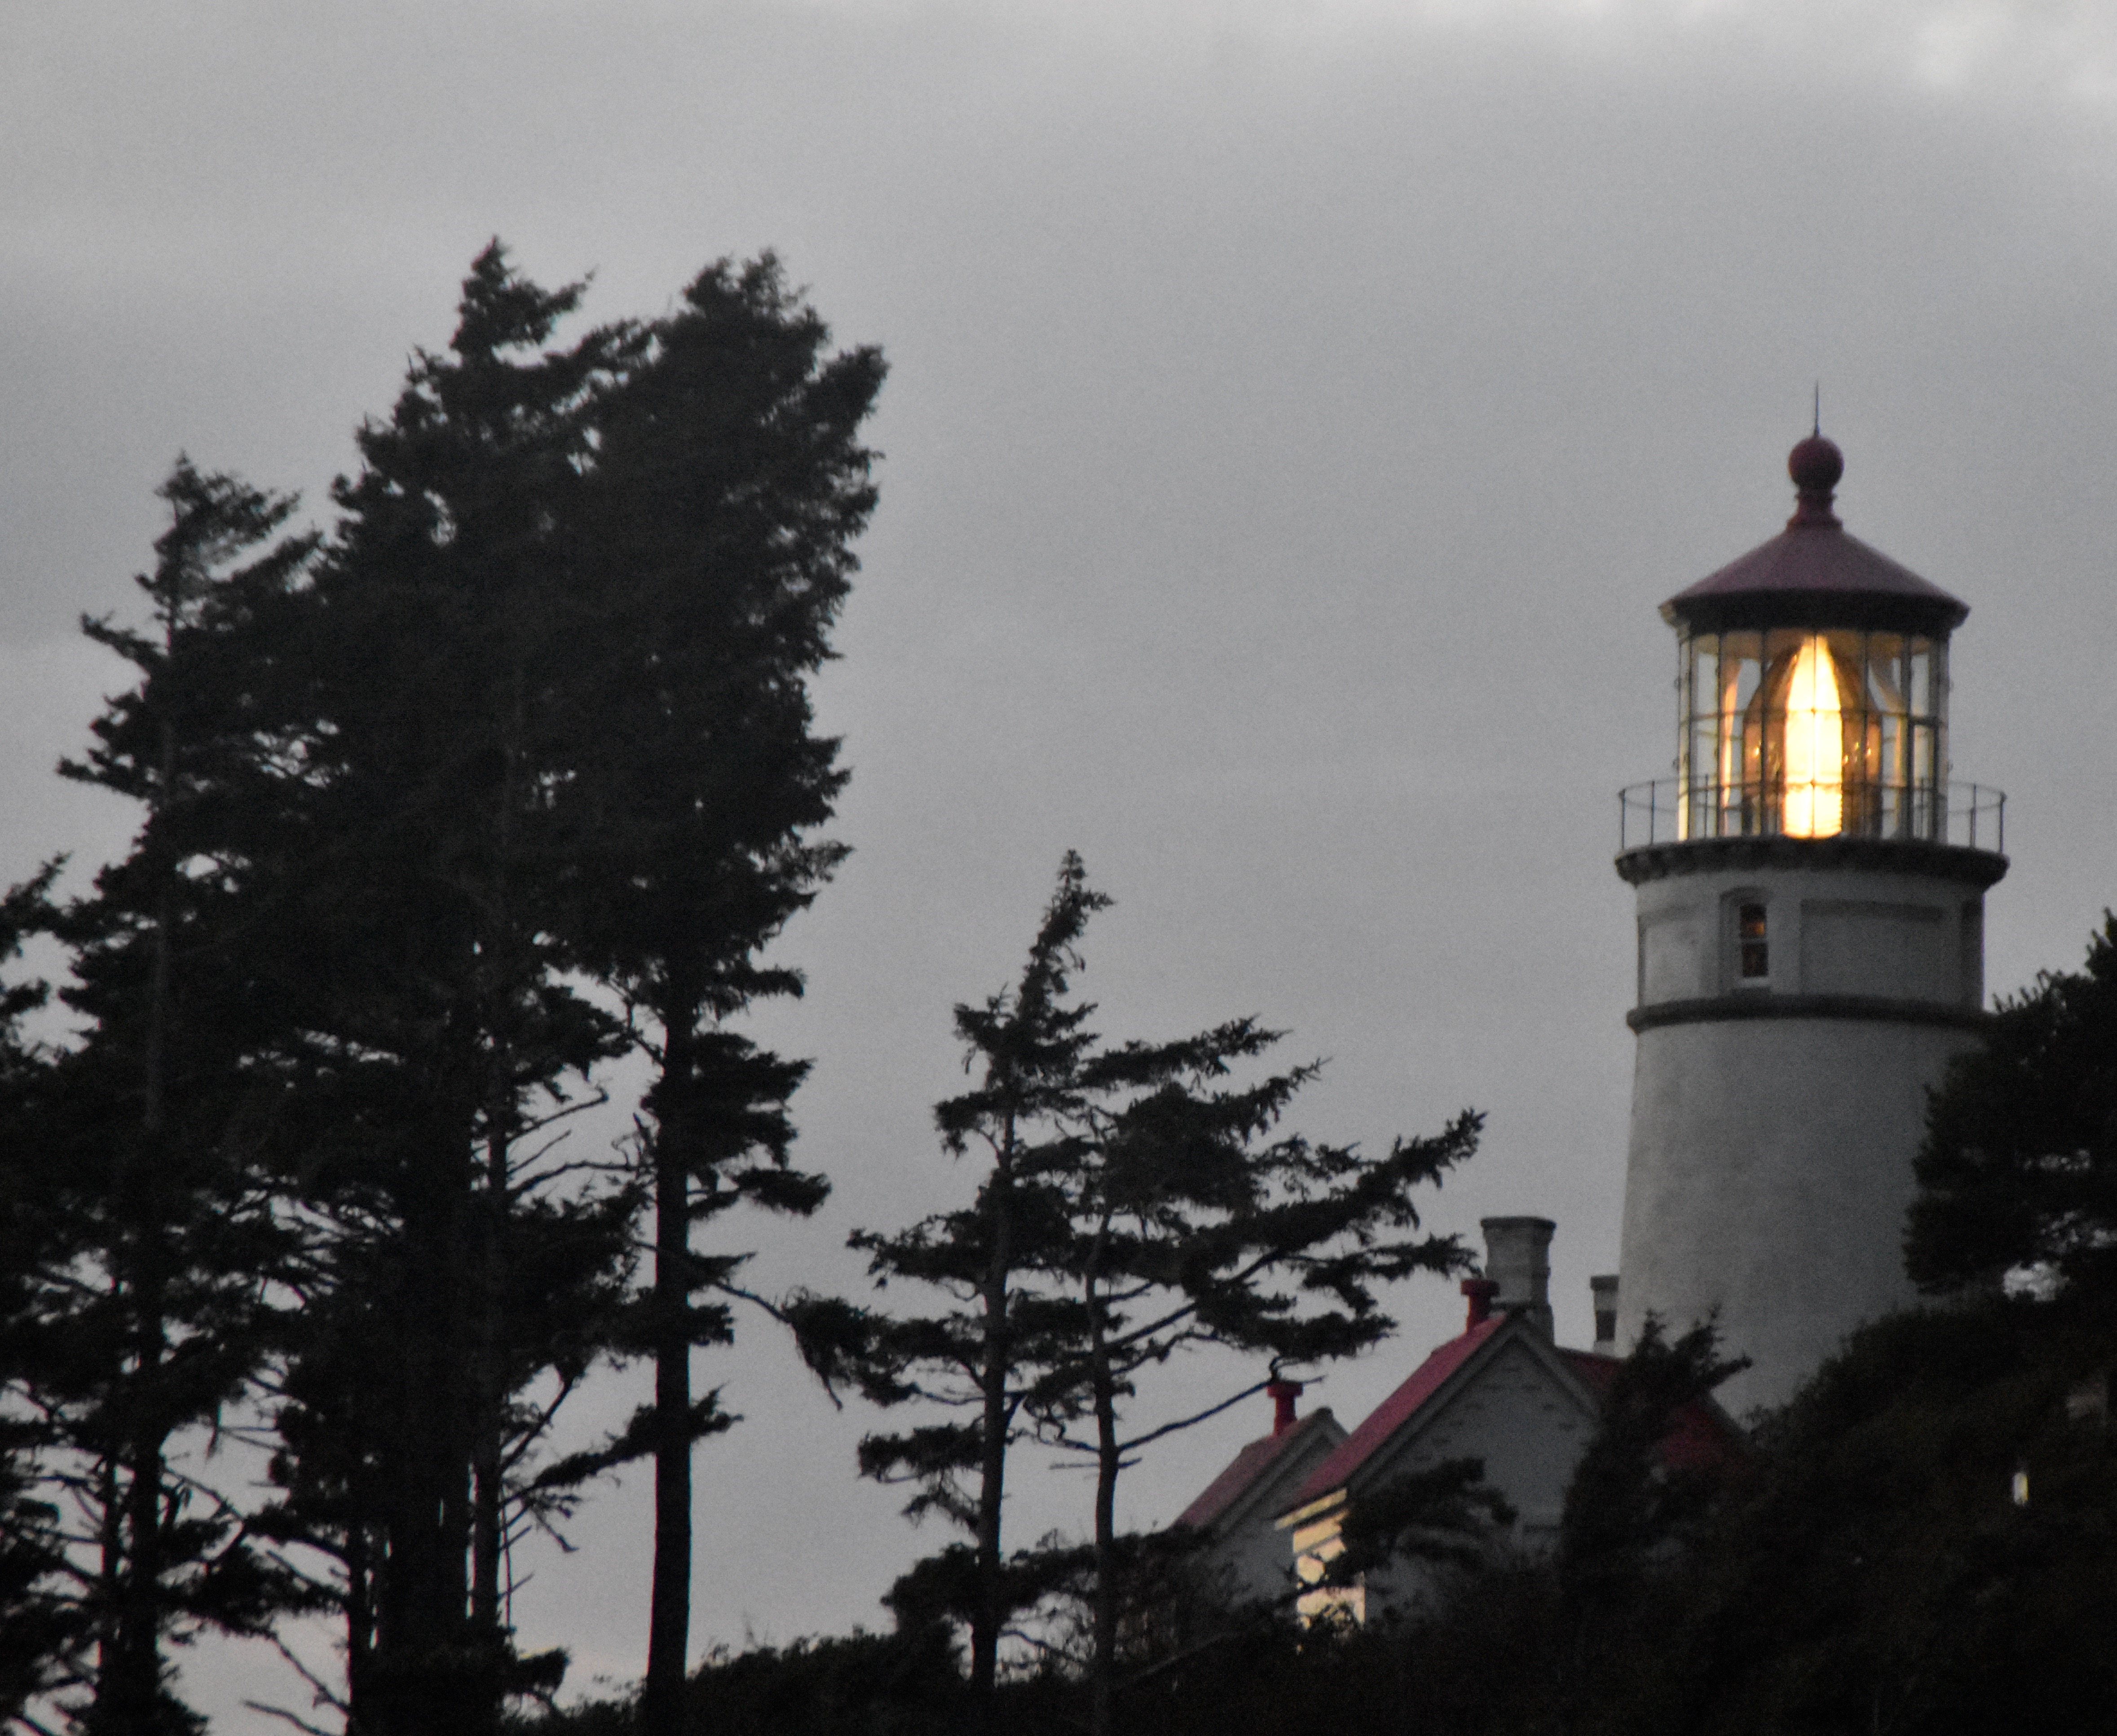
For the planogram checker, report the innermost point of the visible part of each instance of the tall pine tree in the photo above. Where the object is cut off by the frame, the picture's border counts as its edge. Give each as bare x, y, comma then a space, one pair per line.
537, 711
144, 1140
459, 1268
1135, 1203
729, 485
981, 1357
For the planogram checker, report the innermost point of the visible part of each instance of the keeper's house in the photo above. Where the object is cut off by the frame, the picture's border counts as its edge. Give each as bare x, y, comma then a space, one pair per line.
1502, 1392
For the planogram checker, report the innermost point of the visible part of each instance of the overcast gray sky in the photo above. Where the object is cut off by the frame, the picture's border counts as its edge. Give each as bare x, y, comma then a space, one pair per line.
1297, 411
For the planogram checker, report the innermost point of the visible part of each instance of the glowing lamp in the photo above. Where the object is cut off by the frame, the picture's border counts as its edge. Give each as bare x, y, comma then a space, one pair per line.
1813, 800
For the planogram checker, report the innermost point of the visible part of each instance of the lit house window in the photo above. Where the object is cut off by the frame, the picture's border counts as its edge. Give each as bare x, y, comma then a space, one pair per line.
1753, 946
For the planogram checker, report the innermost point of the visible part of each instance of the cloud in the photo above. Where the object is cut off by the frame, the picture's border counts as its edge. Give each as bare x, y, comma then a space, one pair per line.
2066, 49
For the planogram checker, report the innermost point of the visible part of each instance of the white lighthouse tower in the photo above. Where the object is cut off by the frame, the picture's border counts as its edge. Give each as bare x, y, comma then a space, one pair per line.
1810, 943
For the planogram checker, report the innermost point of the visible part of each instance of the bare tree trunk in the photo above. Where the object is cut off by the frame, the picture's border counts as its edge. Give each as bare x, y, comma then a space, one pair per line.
130, 1703
129, 1688
669, 1616
129, 1685
110, 1569
1102, 1668
421, 1678
990, 1615
499, 978
359, 1626
487, 1380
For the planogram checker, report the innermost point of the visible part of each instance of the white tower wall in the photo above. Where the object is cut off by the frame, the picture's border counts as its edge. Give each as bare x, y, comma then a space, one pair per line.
1775, 1117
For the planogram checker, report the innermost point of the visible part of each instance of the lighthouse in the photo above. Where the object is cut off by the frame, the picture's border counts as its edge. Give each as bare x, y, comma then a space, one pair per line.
1810, 889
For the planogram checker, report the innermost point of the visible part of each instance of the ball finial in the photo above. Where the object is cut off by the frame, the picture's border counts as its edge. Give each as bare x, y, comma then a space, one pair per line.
1815, 464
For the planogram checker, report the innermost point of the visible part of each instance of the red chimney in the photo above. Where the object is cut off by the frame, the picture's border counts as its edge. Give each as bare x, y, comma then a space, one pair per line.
1481, 1292
1283, 1393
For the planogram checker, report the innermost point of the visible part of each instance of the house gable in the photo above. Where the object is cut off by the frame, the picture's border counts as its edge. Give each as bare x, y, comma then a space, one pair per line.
1515, 1405
1500, 1393
1247, 1554
1383, 1423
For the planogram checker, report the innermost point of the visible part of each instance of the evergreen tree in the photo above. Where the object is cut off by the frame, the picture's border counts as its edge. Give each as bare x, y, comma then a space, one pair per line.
1442, 1515
2018, 1173
1878, 1566
44, 1632
1137, 1205
139, 1146
41, 1632
551, 691
981, 1357
459, 1265
1628, 1503
538, 710
1190, 1222
728, 487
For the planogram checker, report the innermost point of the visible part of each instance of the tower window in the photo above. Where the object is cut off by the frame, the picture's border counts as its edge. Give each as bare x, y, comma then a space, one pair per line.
1753, 948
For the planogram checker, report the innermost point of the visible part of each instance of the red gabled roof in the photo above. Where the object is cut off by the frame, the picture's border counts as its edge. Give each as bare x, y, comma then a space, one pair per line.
1394, 1412
1247, 1466
1703, 1437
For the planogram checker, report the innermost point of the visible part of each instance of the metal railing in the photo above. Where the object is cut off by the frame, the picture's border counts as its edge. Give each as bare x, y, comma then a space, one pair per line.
1968, 815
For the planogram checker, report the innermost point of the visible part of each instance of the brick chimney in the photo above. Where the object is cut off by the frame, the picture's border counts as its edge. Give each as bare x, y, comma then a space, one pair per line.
1283, 1395
1518, 1259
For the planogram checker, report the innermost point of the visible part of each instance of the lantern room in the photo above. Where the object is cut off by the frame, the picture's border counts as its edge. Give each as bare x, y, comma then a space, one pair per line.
1812, 693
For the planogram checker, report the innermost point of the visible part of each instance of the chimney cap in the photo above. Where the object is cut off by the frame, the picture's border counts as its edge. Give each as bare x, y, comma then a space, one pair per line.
1518, 1257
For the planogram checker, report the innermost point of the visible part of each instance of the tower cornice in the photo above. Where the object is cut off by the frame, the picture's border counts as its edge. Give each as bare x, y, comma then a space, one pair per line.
1754, 1004
1979, 868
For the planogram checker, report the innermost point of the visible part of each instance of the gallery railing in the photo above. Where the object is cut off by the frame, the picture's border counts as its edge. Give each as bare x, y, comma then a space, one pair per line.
1969, 815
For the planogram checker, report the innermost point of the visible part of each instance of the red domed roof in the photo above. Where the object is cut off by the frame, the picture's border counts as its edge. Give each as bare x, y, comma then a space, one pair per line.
1813, 575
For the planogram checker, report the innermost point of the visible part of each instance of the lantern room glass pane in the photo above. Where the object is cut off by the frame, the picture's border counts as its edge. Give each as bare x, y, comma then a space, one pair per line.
1812, 733
1742, 675
1885, 672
